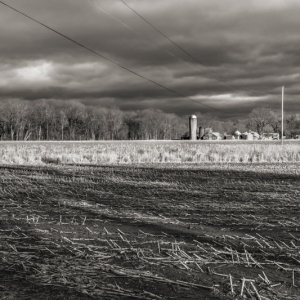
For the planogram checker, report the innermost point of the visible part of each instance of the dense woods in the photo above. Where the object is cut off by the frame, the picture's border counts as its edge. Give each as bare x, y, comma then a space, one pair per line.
72, 120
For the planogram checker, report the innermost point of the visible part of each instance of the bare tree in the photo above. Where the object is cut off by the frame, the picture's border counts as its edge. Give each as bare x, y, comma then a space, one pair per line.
151, 123
115, 119
292, 127
58, 119
259, 118
240, 125
169, 123
275, 120
132, 121
14, 113
74, 112
43, 116
2, 127
63, 122
95, 123
102, 132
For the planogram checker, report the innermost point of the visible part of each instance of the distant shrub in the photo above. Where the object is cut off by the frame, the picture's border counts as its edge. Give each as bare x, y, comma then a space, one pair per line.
51, 160
141, 151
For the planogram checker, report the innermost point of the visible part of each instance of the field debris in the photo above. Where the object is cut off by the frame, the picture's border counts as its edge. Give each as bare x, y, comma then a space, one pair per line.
234, 236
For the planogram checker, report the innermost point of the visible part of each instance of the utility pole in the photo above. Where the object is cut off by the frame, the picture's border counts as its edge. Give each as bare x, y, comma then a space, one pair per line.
282, 115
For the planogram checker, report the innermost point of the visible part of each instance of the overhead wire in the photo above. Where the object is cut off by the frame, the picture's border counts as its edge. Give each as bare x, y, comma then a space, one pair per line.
167, 51
193, 57
141, 35
158, 46
154, 43
106, 58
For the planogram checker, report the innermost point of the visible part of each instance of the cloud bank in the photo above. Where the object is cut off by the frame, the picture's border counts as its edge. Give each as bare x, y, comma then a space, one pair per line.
244, 47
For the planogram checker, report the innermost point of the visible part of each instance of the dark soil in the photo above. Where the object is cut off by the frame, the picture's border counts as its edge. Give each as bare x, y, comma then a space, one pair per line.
136, 232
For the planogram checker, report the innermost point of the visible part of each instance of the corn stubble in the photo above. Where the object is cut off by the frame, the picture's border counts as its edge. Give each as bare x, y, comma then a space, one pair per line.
126, 232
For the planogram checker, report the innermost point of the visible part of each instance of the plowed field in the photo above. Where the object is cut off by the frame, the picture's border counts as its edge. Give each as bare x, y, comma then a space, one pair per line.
150, 232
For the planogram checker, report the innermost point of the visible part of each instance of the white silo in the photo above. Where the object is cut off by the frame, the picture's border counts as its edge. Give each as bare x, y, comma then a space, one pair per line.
193, 127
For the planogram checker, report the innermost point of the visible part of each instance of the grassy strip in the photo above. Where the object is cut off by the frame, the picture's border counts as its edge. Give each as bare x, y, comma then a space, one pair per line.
151, 152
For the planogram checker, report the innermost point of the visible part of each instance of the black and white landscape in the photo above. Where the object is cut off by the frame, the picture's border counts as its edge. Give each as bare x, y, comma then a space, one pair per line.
149, 149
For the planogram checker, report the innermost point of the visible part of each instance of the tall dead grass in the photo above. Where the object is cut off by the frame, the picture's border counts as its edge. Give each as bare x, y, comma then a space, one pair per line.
127, 152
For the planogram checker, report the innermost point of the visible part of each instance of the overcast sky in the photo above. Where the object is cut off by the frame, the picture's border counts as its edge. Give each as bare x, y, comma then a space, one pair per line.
246, 45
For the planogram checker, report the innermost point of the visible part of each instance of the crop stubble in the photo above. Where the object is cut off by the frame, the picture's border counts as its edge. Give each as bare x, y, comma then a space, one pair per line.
150, 232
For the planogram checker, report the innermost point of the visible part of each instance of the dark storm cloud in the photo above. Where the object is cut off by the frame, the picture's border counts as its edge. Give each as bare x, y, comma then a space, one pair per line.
244, 45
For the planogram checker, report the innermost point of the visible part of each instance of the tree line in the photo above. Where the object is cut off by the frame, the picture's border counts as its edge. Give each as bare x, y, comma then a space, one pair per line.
72, 120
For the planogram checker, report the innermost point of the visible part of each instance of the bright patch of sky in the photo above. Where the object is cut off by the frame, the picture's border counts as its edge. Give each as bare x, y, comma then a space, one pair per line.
228, 97
37, 72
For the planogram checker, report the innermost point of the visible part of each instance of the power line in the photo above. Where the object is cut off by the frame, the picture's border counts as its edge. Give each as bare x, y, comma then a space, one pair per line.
154, 43
191, 56
108, 59
141, 35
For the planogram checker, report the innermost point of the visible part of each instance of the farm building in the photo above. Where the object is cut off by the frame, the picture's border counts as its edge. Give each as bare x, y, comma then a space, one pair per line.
207, 136
207, 130
212, 136
216, 136
247, 136
229, 137
201, 132
237, 135
256, 136
270, 136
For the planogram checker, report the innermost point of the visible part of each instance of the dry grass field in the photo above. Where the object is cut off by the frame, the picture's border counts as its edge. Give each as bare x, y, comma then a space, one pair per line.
128, 152
78, 226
